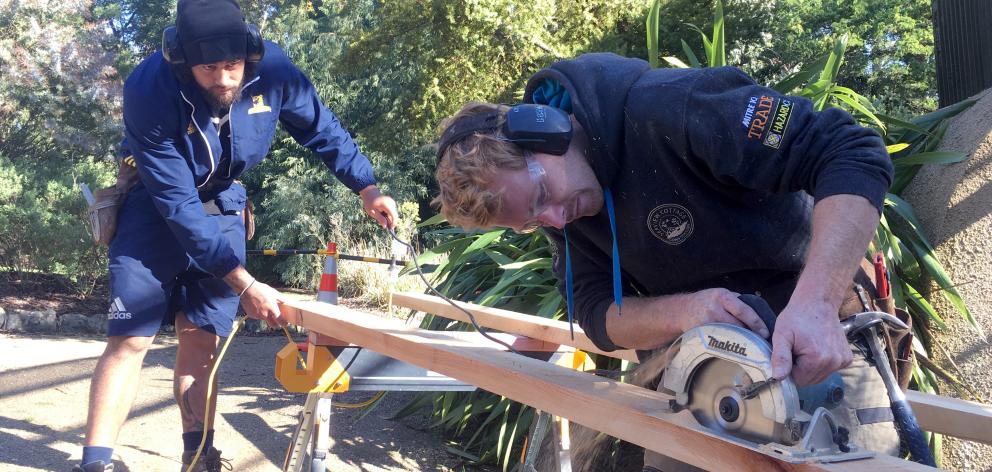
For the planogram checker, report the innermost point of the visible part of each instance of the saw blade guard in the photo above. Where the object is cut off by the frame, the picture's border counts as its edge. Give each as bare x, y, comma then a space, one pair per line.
723, 343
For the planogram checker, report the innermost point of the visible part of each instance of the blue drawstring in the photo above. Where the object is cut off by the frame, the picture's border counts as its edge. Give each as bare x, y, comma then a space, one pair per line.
569, 290
570, 298
617, 290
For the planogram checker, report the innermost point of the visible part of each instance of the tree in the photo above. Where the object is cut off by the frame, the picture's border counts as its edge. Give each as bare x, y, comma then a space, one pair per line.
57, 122
890, 58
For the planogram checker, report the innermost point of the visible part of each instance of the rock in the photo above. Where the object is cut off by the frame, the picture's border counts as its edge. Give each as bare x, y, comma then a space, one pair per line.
32, 321
76, 323
12, 321
3, 318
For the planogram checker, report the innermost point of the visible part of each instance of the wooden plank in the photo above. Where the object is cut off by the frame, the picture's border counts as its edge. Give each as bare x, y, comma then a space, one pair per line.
507, 321
945, 415
952, 416
620, 410
520, 343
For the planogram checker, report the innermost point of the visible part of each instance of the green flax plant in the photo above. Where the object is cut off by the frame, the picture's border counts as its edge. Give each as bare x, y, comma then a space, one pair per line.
494, 268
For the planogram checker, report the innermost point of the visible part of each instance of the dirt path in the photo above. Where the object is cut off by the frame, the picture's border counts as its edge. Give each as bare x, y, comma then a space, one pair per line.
44, 382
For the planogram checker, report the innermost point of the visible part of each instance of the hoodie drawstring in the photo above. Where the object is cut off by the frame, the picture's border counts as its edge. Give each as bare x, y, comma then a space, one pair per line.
617, 290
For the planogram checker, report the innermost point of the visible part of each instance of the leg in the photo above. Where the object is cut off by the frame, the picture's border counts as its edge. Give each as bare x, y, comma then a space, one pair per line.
207, 309
141, 281
194, 360
113, 388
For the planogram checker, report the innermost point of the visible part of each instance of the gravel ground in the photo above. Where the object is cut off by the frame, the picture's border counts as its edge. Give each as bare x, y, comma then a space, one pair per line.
44, 383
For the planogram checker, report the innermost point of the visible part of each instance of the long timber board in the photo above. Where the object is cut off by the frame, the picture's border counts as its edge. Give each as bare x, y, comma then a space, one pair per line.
621, 410
939, 414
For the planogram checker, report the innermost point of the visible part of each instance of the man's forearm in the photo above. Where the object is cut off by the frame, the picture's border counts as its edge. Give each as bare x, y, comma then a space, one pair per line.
842, 227
646, 322
238, 279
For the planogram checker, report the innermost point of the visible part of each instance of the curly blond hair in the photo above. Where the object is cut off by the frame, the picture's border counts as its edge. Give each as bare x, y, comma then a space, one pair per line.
466, 171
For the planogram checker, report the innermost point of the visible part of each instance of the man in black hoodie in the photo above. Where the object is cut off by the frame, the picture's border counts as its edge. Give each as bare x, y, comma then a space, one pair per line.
679, 190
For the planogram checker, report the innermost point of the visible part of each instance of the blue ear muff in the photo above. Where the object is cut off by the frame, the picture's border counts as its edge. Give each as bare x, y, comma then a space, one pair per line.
537, 128
172, 50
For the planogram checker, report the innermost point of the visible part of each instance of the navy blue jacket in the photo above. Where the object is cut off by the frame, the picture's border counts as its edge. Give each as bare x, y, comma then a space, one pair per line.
714, 179
177, 150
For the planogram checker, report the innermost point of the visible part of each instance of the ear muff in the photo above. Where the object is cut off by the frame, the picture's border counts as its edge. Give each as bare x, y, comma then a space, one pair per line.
256, 45
537, 128
172, 49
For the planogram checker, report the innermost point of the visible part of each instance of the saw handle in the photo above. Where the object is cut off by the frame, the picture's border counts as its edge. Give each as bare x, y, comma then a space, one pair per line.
760, 306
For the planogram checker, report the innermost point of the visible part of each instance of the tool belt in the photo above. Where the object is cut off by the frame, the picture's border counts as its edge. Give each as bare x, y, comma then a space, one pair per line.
211, 207
898, 342
107, 203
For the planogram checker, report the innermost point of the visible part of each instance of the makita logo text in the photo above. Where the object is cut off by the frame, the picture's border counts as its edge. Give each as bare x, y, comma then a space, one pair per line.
728, 346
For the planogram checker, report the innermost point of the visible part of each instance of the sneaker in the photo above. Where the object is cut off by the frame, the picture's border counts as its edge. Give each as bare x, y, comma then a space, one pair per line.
97, 466
209, 461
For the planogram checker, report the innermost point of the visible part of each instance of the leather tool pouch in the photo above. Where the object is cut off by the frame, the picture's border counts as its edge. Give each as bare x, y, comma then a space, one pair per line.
898, 342
107, 204
249, 220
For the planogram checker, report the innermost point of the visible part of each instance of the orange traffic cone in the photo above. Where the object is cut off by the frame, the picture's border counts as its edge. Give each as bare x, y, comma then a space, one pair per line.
328, 291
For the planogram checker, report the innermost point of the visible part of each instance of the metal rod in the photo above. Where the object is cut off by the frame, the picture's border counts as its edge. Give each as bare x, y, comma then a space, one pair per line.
321, 252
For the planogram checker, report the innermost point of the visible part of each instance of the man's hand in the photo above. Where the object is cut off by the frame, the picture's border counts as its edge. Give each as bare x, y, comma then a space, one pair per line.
811, 338
261, 302
380, 207
808, 339
719, 305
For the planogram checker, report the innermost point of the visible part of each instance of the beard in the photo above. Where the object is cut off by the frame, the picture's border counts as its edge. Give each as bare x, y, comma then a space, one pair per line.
220, 99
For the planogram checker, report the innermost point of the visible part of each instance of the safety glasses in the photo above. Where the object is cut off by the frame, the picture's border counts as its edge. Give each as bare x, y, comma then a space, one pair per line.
539, 203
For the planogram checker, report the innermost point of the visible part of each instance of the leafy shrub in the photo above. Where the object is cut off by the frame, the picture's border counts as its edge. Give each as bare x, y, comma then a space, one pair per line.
41, 216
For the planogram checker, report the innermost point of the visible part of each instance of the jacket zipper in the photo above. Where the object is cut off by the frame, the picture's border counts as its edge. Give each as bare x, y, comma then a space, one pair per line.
230, 124
210, 153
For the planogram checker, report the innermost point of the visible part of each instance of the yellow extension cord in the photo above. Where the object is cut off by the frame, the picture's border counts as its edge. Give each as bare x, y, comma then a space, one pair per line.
213, 373
210, 387
220, 356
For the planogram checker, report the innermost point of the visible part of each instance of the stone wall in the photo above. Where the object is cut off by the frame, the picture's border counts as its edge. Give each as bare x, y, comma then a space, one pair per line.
48, 322
954, 203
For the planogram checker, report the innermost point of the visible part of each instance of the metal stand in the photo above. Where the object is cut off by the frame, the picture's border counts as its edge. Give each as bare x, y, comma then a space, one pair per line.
543, 423
371, 371
312, 439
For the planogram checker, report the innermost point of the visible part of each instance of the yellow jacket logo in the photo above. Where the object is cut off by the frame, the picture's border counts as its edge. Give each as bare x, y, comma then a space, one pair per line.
258, 105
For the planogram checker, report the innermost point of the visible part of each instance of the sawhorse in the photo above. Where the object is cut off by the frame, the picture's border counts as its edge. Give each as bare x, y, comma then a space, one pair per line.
370, 371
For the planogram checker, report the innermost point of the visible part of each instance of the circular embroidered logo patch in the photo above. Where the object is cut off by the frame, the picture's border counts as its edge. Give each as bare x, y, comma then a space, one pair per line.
670, 223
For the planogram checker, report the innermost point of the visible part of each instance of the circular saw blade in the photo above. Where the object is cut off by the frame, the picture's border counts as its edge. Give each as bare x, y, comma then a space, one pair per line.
716, 403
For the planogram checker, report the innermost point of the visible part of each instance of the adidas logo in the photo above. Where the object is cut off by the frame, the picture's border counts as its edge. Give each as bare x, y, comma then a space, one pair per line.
117, 311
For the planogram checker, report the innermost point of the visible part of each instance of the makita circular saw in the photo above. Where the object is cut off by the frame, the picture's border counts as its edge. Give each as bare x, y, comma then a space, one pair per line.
722, 374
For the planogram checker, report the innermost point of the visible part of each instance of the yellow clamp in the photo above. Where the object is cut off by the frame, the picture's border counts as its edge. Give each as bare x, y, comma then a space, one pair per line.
323, 372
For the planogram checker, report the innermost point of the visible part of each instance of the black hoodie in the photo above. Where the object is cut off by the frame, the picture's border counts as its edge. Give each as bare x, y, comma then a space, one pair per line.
713, 177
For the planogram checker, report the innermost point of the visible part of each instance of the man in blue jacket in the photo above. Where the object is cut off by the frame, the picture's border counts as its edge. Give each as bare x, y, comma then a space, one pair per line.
678, 190
197, 115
